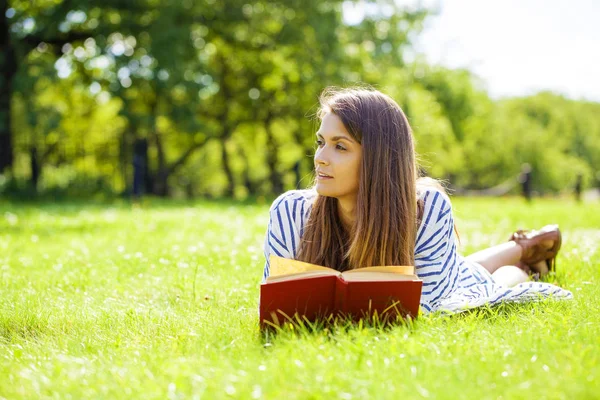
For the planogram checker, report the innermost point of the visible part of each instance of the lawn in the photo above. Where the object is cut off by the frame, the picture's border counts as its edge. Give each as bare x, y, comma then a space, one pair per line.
160, 302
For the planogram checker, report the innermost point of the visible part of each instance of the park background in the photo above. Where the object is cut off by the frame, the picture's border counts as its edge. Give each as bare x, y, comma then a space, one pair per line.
214, 102
217, 98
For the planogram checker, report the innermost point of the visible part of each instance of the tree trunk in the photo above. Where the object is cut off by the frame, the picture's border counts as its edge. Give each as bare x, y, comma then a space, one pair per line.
226, 126
227, 168
250, 186
159, 178
159, 184
35, 165
298, 174
305, 163
140, 167
8, 68
161, 187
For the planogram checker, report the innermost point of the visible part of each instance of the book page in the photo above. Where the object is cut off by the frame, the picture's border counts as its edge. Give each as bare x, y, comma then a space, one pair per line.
392, 269
361, 276
299, 276
285, 266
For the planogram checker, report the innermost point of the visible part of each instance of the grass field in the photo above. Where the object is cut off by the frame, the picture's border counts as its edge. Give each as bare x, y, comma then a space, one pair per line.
160, 302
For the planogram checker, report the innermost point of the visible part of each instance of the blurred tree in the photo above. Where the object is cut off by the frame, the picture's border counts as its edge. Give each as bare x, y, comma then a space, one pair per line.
8, 67
224, 94
559, 137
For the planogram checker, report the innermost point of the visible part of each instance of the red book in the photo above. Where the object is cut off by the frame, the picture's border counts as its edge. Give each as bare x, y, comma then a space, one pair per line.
298, 289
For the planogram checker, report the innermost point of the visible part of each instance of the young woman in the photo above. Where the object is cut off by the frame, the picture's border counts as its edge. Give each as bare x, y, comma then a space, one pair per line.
368, 208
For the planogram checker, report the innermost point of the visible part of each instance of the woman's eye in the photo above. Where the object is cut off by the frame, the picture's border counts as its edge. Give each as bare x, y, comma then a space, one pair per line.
340, 147
319, 142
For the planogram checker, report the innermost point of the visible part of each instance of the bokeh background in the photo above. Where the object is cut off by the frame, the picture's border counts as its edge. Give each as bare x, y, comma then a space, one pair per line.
216, 98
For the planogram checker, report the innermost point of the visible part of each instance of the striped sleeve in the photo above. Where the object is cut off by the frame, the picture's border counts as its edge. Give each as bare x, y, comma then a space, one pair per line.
436, 259
286, 222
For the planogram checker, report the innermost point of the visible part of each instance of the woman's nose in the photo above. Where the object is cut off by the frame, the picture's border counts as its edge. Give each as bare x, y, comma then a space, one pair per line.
321, 157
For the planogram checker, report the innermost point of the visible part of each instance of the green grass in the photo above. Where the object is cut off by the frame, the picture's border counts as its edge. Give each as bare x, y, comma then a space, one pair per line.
106, 301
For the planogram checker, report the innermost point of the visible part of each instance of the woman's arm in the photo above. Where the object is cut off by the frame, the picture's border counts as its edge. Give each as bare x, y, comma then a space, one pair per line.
436, 258
286, 219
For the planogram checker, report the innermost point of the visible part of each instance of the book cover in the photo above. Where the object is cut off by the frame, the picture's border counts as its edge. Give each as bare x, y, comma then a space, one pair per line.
298, 289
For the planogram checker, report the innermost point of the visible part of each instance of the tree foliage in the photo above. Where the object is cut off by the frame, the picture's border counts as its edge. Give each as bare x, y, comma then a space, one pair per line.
224, 94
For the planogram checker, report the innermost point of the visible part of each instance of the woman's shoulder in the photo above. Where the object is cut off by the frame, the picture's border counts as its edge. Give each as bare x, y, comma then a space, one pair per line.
433, 197
436, 220
294, 198
427, 185
430, 195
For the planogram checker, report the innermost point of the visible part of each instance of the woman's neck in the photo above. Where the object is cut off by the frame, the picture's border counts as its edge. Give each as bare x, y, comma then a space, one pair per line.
347, 212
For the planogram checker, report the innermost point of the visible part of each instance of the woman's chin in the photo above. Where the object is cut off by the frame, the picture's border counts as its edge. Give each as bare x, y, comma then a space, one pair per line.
324, 191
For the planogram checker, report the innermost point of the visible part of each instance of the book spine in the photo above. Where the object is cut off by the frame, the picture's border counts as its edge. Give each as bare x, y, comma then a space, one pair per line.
341, 287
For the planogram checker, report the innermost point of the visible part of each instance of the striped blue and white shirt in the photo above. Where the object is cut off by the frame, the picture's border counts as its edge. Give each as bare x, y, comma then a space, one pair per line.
450, 282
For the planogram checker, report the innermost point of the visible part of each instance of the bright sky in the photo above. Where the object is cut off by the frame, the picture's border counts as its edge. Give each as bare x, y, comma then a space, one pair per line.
518, 47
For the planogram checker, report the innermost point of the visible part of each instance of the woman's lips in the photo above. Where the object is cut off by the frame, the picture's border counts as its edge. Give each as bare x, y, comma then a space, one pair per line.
321, 176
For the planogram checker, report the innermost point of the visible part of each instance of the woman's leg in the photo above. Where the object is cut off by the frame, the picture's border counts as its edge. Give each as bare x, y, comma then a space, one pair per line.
492, 258
502, 260
509, 253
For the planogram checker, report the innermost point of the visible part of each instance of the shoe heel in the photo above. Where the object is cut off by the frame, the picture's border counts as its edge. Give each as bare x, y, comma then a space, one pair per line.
552, 264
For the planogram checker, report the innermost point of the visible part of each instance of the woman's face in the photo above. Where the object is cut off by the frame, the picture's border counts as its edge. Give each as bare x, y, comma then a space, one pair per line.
337, 159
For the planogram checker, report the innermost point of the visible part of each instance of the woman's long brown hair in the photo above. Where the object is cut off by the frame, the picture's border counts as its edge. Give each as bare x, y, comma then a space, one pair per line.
385, 227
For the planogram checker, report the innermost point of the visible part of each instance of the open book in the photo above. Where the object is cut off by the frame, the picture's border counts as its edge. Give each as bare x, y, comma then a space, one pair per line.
313, 292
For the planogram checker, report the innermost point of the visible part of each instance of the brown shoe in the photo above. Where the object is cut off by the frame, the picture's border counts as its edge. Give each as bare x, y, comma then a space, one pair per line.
533, 251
